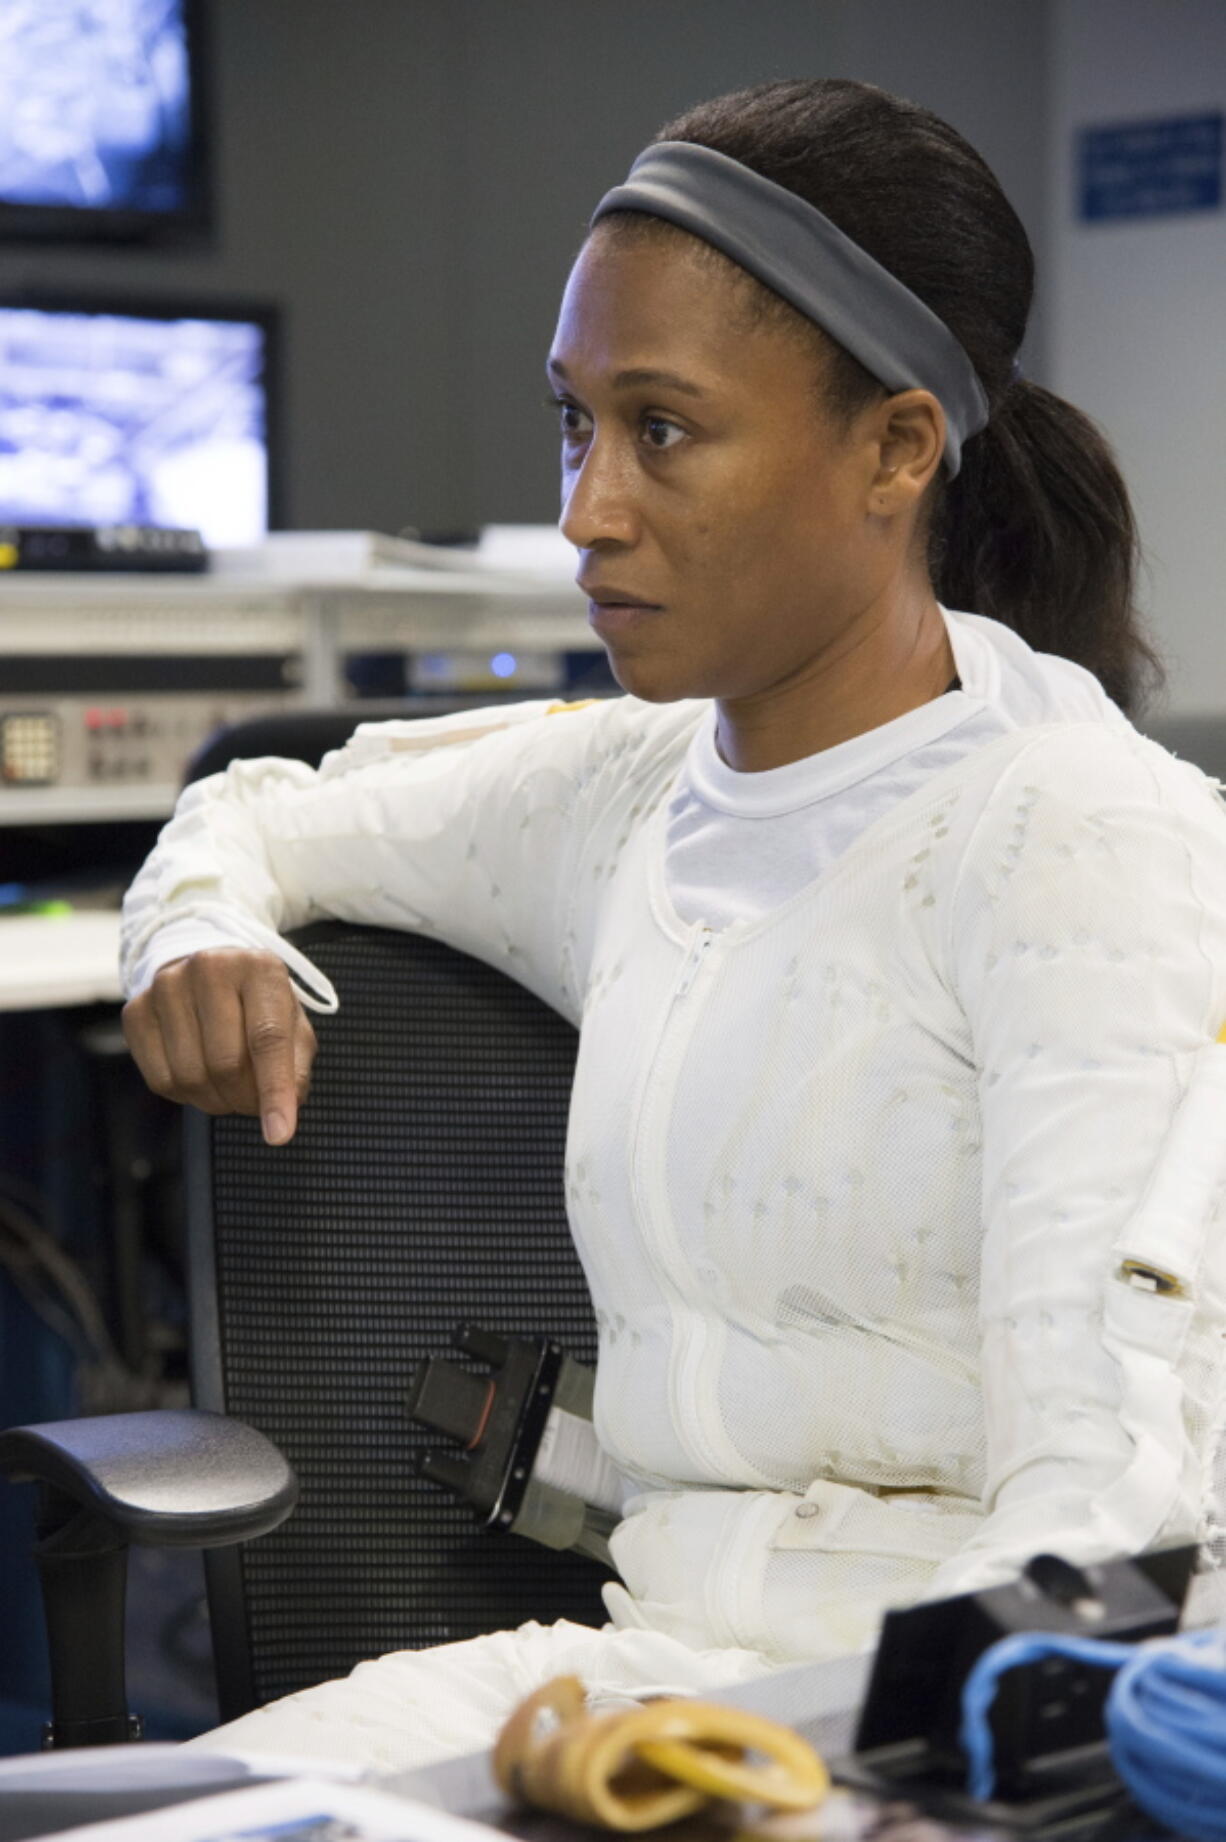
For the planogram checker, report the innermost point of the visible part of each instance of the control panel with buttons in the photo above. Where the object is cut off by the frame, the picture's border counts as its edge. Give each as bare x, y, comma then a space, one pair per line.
86, 757
112, 680
121, 740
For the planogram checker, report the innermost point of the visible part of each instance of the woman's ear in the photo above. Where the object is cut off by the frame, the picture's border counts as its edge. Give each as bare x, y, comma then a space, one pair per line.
910, 438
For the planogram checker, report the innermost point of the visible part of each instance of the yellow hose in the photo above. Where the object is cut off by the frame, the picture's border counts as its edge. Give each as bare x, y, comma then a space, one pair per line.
642, 1767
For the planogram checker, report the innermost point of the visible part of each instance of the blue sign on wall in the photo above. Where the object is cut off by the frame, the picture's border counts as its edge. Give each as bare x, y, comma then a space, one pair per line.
1150, 168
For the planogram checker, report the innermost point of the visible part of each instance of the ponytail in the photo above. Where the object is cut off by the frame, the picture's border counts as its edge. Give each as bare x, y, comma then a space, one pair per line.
1036, 529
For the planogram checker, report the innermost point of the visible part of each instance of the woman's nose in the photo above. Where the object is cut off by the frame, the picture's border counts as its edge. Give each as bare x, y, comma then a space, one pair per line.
598, 505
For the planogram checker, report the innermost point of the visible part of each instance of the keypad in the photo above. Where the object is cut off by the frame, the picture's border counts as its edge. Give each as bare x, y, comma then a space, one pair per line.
30, 749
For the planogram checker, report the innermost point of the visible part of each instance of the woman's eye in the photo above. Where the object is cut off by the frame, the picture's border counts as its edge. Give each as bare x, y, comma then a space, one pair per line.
661, 433
571, 419
575, 424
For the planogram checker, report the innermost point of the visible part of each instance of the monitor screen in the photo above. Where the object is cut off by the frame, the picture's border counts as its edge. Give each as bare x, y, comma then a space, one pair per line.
99, 116
136, 416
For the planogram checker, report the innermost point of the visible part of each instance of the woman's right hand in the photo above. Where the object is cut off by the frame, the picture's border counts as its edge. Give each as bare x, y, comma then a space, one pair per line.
223, 1030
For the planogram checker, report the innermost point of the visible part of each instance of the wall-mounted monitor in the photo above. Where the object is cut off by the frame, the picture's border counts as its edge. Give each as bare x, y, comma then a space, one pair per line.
133, 413
101, 119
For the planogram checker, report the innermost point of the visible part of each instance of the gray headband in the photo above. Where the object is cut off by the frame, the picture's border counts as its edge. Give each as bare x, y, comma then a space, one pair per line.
801, 255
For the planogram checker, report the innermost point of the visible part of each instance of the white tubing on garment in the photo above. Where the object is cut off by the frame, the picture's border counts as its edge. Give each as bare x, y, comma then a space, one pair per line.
570, 1458
323, 998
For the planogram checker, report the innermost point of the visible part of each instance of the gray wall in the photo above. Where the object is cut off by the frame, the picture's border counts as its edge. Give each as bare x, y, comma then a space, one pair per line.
409, 179
1136, 313
560, 98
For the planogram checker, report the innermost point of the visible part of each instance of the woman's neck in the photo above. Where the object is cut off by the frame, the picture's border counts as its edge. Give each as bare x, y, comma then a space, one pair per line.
883, 666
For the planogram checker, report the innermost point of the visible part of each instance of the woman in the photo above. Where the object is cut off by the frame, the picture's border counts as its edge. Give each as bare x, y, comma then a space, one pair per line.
894, 946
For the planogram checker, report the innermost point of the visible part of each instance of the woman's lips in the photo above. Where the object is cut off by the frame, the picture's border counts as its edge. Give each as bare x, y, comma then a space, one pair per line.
617, 616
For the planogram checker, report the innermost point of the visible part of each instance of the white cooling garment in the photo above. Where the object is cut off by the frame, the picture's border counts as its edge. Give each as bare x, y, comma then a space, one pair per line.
878, 1055
417, 1707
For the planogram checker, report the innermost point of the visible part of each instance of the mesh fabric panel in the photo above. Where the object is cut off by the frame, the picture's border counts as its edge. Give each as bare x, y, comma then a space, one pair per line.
423, 1188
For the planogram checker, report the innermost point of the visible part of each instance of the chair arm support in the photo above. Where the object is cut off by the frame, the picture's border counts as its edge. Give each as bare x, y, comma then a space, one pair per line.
174, 1478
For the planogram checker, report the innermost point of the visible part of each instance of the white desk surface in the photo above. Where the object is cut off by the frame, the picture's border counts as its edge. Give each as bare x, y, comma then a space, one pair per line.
51, 960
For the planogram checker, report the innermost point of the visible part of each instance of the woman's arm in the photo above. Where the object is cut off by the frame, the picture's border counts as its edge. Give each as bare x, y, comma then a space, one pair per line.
436, 824
1090, 941
468, 827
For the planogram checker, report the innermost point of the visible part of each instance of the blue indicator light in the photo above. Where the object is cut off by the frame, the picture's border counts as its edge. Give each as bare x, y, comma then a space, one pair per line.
504, 664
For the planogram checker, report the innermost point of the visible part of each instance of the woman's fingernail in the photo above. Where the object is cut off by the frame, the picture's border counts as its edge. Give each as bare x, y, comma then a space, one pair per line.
276, 1128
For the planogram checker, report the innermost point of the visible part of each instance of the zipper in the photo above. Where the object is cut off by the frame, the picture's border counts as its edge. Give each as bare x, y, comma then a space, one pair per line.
699, 948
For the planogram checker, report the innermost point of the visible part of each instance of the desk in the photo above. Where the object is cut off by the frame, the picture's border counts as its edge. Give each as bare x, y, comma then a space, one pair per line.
46, 1792
42, 1794
49, 961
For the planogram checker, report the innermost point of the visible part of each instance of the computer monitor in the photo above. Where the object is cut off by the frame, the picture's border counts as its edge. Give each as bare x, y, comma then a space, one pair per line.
133, 413
101, 118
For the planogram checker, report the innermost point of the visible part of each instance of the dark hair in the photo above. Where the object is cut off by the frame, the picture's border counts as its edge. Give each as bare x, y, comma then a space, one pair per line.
1036, 530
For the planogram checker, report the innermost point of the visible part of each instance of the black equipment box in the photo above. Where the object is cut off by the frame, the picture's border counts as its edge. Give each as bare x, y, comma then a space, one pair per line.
144, 547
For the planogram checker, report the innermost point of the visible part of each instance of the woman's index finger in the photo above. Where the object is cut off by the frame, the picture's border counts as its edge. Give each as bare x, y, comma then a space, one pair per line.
270, 1016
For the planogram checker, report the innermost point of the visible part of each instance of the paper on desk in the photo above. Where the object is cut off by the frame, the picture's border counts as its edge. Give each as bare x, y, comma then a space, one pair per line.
538, 549
294, 1810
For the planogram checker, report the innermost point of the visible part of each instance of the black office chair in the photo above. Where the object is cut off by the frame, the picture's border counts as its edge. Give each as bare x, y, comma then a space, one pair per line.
422, 1188
489, 1070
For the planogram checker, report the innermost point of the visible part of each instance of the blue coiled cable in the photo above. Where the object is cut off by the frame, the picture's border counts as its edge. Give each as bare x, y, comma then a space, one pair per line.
1165, 1720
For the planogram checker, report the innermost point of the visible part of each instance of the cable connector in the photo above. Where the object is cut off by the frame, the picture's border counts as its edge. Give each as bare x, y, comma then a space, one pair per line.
529, 1462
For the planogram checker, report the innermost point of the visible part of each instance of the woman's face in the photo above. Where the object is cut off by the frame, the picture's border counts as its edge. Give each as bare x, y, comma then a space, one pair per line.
724, 525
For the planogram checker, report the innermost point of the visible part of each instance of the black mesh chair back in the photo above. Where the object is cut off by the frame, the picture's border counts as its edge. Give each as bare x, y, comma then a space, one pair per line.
302, 735
423, 1188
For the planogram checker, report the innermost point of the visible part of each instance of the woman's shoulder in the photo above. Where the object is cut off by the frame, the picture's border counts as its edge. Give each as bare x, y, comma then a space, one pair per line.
608, 745
573, 735
1045, 812
1096, 765
1062, 732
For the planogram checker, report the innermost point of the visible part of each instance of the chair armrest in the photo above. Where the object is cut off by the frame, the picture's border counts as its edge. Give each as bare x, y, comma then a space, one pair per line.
174, 1478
